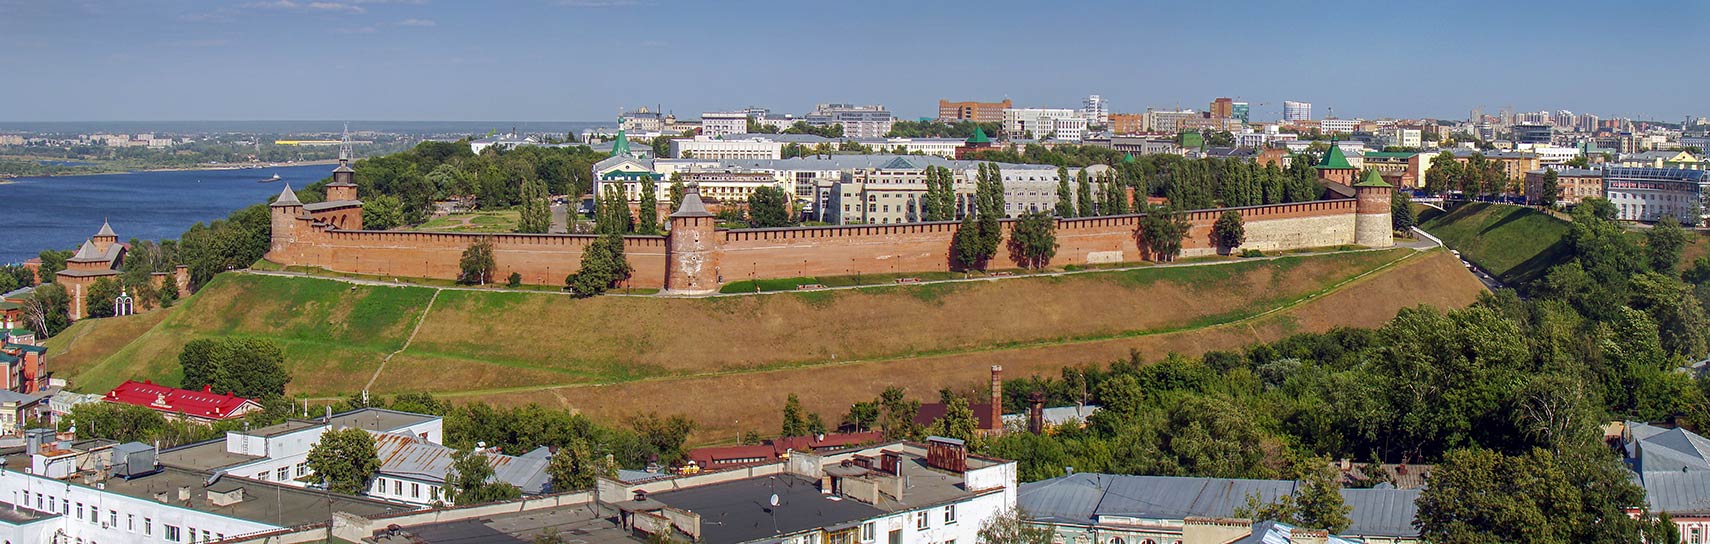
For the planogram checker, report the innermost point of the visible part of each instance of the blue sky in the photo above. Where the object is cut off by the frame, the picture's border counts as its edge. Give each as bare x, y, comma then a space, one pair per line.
70, 60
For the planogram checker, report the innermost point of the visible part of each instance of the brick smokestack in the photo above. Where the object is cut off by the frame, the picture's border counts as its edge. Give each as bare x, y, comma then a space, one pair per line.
997, 397
1036, 413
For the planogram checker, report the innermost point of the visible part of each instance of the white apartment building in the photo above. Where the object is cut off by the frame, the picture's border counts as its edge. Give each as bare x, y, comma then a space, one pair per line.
94, 491
872, 121
1402, 137
1296, 111
1095, 110
938, 147
1334, 126
740, 147
1064, 124
1168, 122
716, 124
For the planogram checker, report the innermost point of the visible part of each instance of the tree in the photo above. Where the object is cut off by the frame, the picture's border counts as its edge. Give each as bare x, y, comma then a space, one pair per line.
344, 460
98, 302
200, 363
1084, 205
535, 217
1663, 244
664, 435
965, 244
603, 265
1012, 527
1163, 231
897, 413
1577, 496
957, 422
476, 266
1550, 190
861, 416
576, 466
1597, 208
47, 310
647, 220
676, 191
53, 261
1065, 194
1319, 502
1033, 241
470, 481
794, 425
1228, 232
246, 367
1401, 216
1440, 178
382, 212
769, 207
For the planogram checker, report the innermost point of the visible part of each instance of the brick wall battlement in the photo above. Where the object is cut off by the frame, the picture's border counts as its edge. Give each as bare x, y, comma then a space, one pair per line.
705, 257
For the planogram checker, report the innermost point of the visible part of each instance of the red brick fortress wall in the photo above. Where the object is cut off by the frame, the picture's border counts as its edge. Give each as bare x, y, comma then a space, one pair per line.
699, 258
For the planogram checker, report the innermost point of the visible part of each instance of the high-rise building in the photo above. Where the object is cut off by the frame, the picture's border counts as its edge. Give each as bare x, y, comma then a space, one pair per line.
1532, 134
1222, 108
1094, 110
722, 123
979, 112
1240, 110
1296, 111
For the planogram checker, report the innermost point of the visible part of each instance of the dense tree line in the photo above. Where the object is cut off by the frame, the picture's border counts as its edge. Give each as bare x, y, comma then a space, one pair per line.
1188, 184
940, 129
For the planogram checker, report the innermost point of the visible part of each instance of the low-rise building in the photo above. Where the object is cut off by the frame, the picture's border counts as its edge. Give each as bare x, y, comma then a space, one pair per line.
725, 457
204, 406
1662, 159
1101, 508
715, 124
1649, 194
1040, 123
872, 121
1572, 184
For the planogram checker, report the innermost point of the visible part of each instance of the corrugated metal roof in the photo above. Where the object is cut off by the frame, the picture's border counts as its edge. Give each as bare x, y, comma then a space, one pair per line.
411, 456
1083, 498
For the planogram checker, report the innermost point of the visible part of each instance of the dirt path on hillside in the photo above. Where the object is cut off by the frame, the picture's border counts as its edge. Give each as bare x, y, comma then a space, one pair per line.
418, 328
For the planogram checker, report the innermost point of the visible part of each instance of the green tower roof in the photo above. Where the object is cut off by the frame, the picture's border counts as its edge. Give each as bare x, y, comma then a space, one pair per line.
979, 137
621, 145
1128, 157
1373, 179
1334, 159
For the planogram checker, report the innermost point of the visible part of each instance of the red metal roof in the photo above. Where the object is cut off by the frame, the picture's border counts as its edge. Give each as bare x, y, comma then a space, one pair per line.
203, 404
718, 456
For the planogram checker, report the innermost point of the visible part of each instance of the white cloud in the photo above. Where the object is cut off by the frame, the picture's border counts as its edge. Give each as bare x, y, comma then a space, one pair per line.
314, 6
355, 30
417, 22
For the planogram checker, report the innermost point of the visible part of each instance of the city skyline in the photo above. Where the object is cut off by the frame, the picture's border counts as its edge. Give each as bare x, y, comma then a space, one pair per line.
583, 60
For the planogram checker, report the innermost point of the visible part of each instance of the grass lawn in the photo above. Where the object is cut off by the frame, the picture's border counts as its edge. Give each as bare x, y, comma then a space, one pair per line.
1517, 244
484, 221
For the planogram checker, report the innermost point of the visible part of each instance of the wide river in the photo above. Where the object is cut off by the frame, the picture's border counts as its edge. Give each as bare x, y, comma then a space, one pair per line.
62, 212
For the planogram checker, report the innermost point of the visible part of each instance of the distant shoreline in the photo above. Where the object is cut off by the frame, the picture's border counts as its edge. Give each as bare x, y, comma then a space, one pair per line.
325, 162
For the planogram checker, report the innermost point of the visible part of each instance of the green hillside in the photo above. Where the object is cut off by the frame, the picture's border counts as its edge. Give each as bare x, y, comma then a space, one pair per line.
1514, 243
337, 335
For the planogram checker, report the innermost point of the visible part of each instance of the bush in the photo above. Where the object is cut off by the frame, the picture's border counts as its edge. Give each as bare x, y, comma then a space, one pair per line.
1252, 253
514, 281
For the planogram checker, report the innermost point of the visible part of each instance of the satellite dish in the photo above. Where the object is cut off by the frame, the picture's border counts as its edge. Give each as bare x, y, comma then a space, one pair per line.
774, 500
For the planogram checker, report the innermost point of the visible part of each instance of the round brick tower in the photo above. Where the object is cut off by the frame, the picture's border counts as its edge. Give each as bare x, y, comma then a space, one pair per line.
1372, 226
691, 253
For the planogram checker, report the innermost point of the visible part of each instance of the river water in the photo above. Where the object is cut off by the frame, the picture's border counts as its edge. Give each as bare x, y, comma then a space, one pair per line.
62, 212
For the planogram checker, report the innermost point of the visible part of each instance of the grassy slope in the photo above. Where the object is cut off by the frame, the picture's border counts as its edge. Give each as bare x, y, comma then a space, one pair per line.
336, 334
1516, 244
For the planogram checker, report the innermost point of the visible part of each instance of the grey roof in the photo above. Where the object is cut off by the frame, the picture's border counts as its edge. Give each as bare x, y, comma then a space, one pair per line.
1276, 532
331, 205
274, 504
379, 420
1082, 498
738, 511
7, 395
1673, 465
86, 252
615, 160
692, 205
287, 197
106, 230
412, 457
1570, 172
81, 273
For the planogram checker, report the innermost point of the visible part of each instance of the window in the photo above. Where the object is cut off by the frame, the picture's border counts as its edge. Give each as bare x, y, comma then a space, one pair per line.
950, 514
920, 521
379, 485
131, 522
302, 469
79, 511
172, 534
261, 475
148, 526
39, 506
415, 490
284, 473
113, 518
207, 536
867, 532
398, 487
65, 506
433, 492
190, 532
